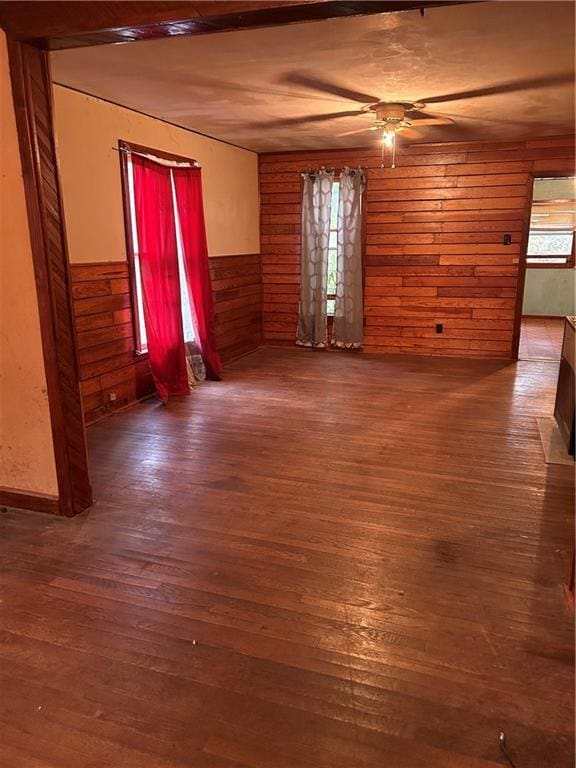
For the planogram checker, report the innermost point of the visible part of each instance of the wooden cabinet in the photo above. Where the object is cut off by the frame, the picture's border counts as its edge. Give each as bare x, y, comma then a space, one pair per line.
565, 392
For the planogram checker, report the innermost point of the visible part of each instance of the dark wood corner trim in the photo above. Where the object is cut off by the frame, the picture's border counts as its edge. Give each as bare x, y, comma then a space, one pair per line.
31, 88
26, 500
521, 280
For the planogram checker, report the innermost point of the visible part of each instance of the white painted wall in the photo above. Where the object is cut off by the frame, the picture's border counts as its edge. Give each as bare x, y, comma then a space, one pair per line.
550, 292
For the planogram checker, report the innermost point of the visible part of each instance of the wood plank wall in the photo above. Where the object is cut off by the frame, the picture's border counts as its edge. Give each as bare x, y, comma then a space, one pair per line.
104, 330
237, 288
103, 312
434, 241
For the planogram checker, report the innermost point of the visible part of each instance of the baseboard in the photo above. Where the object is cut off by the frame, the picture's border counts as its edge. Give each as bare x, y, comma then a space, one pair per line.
36, 502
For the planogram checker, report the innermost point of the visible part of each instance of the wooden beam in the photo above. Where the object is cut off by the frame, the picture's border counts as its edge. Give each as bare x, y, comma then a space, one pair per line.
33, 20
58, 25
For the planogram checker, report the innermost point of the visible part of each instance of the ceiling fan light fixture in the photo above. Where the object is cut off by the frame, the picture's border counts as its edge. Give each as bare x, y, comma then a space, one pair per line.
389, 142
389, 137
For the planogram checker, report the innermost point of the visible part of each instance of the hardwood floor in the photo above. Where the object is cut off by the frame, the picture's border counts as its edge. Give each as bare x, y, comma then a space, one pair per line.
541, 338
325, 561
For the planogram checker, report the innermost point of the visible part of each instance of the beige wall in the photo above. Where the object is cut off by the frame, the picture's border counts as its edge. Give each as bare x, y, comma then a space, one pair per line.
88, 129
26, 451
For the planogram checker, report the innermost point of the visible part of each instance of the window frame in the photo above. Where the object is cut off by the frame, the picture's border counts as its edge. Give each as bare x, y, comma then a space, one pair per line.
124, 147
568, 264
332, 296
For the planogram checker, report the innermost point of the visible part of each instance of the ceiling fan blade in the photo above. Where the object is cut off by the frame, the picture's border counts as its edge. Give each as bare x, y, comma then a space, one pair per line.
306, 119
358, 130
466, 132
453, 131
512, 86
412, 134
467, 119
252, 88
432, 121
325, 86
428, 118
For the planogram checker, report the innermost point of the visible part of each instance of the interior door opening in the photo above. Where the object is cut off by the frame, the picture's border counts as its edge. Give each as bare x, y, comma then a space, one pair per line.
549, 280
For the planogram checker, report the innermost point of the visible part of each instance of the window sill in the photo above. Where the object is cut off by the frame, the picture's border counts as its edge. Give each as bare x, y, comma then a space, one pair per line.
541, 265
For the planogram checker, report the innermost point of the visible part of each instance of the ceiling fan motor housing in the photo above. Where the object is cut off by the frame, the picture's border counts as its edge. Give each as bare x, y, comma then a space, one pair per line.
392, 114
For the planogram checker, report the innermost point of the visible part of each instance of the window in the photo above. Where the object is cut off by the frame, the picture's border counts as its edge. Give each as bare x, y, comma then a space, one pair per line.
330, 310
141, 343
552, 247
333, 251
552, 223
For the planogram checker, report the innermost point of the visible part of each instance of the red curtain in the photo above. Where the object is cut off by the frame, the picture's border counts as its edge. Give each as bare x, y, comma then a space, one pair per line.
159, 275
188, 185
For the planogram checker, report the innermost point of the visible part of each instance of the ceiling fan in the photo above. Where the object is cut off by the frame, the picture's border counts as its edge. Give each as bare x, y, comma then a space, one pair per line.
391, 118
394, 117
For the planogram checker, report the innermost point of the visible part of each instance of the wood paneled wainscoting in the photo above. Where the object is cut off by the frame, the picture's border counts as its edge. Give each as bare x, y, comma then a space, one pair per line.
109, 366
237, 288
435, 251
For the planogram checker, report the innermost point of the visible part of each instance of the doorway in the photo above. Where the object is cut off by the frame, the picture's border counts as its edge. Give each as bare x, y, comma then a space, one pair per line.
549, 281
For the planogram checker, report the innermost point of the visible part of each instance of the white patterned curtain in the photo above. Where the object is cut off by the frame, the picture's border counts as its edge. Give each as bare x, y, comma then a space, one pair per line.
348, 330
316, 200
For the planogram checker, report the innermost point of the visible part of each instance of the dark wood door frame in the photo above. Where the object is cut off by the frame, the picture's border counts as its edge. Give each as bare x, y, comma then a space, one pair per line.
32, 92
522, 259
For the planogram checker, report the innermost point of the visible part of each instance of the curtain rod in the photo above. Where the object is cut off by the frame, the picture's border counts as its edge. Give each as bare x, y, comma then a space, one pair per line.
159, 160
330, 169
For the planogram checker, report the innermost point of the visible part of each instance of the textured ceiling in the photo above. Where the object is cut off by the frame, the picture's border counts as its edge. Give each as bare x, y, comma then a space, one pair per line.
239, 86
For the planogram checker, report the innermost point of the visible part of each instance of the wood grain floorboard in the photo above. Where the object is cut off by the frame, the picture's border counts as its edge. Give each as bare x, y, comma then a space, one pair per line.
541, 338
324, 561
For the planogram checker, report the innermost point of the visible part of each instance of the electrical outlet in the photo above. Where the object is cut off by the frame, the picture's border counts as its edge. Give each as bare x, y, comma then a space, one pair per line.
439, 328
111, 397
